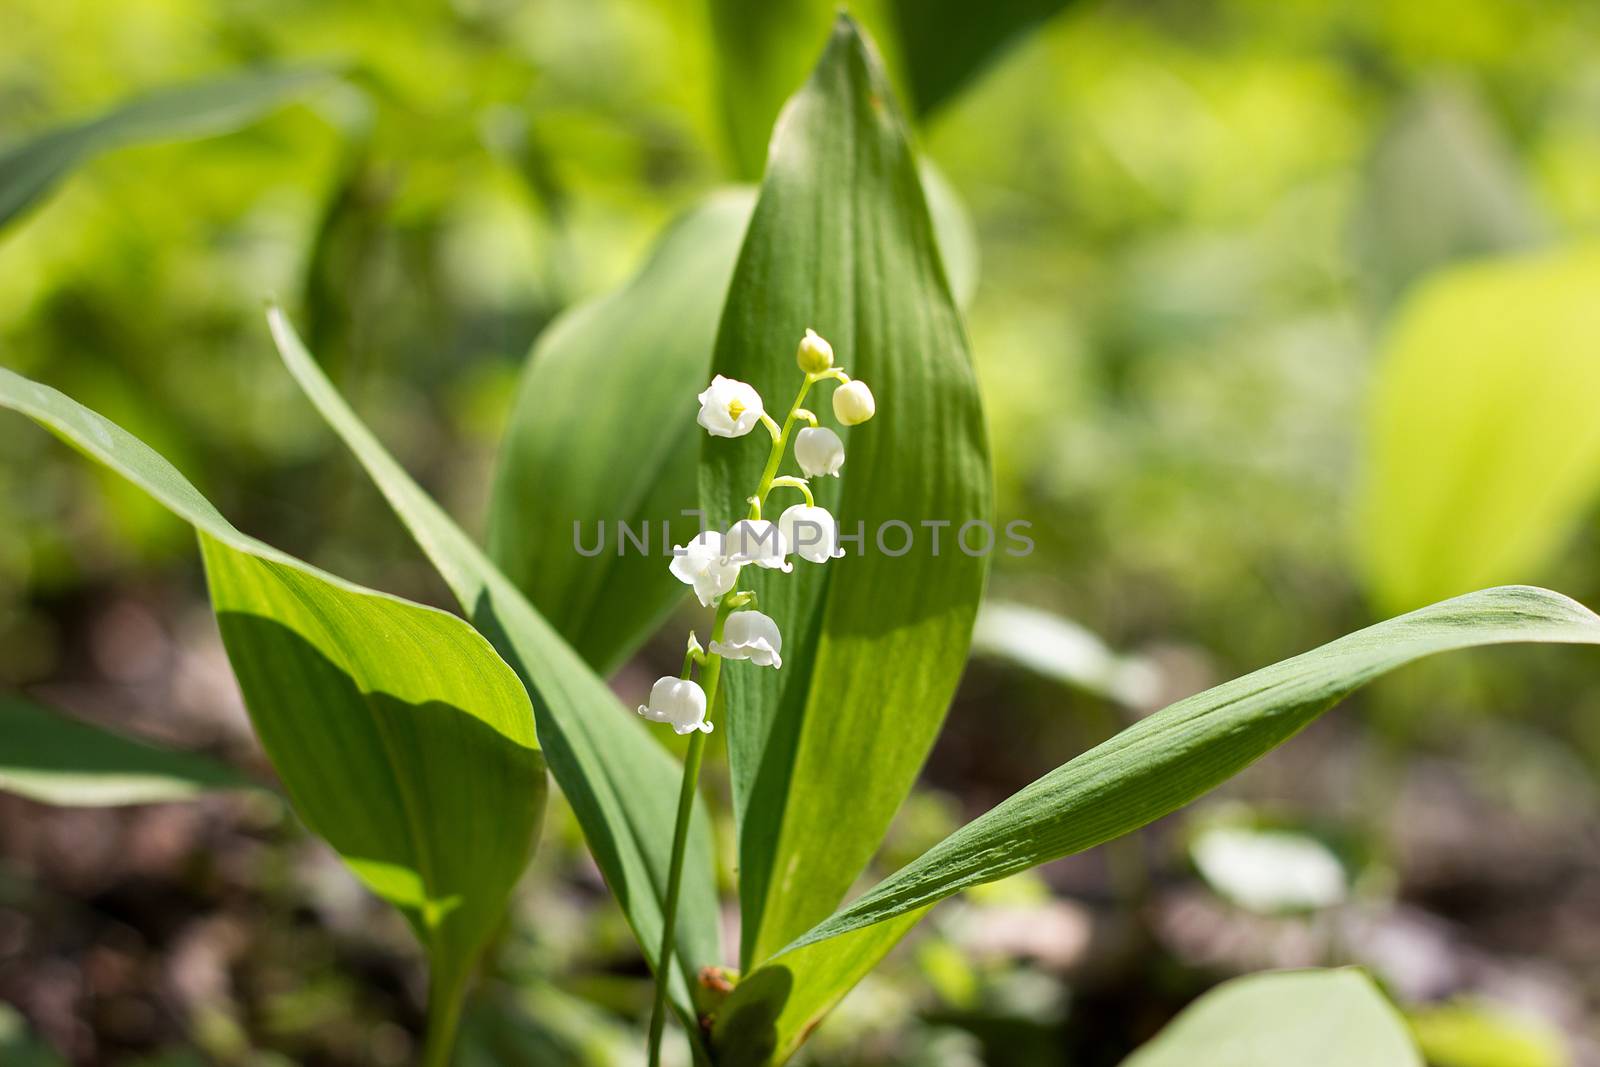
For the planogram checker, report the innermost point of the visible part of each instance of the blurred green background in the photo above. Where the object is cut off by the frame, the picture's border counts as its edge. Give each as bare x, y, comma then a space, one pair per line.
1288, 319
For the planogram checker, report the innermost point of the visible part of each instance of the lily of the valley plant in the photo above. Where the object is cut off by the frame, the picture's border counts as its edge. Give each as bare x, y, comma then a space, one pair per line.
711, 563
415, 741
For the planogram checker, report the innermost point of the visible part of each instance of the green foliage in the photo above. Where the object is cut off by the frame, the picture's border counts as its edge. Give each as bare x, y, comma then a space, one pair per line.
30, 168
874, 642
945, 43
1483, 452
56, 760
1305, 1018
621, 784
394, 726
1170, 758
1473, 1033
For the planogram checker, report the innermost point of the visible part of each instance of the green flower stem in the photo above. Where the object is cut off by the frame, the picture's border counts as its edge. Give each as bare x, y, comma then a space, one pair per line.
709, 676
711, 672
796, 483
775, 457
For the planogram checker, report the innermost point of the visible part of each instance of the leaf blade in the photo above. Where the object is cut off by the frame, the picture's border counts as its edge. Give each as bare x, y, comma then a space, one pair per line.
1334, 1018
1168, 759
621, 783
52, 759
867, 676
30, 168
390, 697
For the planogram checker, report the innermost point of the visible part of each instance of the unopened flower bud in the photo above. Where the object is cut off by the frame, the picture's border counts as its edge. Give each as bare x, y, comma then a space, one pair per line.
815, 355
853, 403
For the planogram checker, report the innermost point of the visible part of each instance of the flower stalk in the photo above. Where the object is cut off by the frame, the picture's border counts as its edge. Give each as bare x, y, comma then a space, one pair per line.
711, 564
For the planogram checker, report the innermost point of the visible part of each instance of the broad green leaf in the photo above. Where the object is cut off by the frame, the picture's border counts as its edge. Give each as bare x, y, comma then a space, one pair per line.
621, 783
602, 432
945, 43
873, 643
1168, 759
399, 734
31, 167
48, 757
1442, 185
1306, 1018
1483, 450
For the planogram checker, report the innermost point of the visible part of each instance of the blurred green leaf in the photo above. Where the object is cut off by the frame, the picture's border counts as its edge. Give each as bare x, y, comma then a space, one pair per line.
873, 643
400, 735
1306, 1018
621, 783
1441, 185
31, 167
48, 757
1472, 1033
1162, 762
1482, 450
945, 43
600, 434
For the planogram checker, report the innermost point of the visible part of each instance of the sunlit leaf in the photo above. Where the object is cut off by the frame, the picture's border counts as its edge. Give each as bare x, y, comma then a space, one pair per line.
873, 642
621, 783
1483, 450
48, 757
31, 167
1306, 1018
399, 734
1168, 759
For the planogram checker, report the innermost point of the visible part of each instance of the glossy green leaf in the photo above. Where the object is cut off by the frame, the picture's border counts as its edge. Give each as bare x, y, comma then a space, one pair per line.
602, 433
1306, 1018
48, 757
621, 783
946, 43
31, 167
1168, 759
873, 643
1483, 450
399, 734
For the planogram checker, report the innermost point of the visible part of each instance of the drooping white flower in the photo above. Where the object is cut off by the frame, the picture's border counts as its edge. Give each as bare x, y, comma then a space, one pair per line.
704, 564
750, 635
677, 701
819, 451
729, 408
810, 532
815, 355
760, 542
853, 403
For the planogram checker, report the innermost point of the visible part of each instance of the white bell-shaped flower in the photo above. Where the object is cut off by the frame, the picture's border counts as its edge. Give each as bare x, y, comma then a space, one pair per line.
704, 564
852, 403
810, 532
679, 702
819, 451
760, 542
750, 635
729, 408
